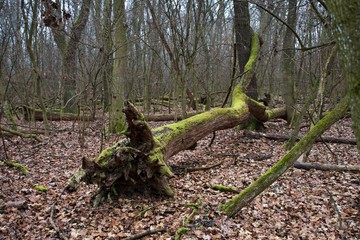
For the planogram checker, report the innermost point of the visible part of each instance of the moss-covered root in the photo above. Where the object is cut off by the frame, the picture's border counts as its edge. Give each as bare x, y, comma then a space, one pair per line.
222, 188
74, 181
19, 166
270, 176
162, 185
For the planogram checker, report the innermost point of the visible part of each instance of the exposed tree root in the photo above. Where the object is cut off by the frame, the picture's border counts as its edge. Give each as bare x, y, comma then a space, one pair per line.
52, 220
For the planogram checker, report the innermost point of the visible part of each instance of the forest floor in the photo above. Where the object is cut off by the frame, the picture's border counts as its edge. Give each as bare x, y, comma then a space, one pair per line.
302, 204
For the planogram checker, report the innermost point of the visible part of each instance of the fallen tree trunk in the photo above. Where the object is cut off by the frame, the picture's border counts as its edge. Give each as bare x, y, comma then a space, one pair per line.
11, 132
37, 115
326, 167
285, 137
140, 159
167, 117
270, 176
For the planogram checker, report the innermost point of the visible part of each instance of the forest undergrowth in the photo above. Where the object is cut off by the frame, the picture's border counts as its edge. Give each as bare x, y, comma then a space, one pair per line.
302, 204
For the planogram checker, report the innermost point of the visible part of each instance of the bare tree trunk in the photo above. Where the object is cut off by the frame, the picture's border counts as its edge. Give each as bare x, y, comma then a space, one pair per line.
30, 31
68, 44
117, 118
243, 35
287, 62
347, 23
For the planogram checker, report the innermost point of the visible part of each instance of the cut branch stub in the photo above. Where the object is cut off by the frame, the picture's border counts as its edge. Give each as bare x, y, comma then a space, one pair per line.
130, 162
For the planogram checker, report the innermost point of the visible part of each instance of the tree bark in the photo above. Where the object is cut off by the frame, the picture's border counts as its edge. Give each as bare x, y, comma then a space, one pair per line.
117, 118
168, 117
243, 44
346, 24
287, 62
68, 45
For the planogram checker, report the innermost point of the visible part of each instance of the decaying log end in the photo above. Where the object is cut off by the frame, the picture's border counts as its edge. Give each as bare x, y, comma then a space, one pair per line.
138, 131
133, 162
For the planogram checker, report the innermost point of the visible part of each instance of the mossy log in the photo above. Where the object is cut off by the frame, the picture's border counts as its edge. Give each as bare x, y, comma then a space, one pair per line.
168, 117
37, 114
10, 132
263, 182
140, 159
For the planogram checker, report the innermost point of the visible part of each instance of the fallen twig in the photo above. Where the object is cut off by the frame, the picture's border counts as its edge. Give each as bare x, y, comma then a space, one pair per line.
336, 207
52, 221
194, 169
145, 233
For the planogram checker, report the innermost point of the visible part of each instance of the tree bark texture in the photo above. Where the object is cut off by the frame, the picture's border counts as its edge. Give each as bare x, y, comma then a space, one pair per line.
287, 62
347, 23
117, 118
243, 45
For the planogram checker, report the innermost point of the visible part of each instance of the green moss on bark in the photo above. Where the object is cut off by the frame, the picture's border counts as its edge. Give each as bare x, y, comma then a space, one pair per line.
222, 188
19, 166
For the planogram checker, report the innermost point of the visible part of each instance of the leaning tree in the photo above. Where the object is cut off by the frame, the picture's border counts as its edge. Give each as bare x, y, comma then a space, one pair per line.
140, 159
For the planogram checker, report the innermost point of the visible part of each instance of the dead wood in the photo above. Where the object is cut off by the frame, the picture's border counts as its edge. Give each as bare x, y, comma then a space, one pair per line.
225, 189
326, 167
37, 115
234, 205
11, 132
20, 204
202, 168
285, 137
145, 233
168, 117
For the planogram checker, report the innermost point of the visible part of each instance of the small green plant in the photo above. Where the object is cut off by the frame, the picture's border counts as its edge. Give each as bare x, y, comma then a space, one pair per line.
181, 231
41, 188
